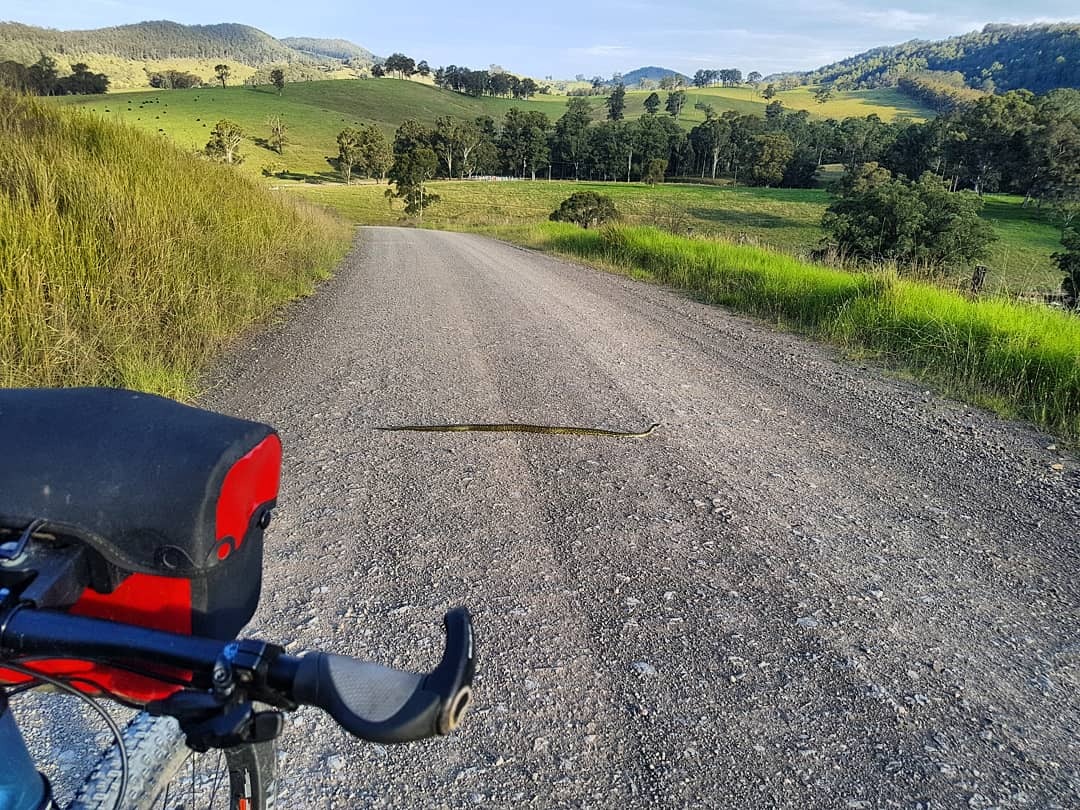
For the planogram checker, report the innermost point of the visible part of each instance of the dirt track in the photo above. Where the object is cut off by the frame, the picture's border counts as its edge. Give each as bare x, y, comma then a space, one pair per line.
814, 586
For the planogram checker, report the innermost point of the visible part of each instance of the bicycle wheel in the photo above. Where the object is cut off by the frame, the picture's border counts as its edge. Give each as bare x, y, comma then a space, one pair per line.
158, 776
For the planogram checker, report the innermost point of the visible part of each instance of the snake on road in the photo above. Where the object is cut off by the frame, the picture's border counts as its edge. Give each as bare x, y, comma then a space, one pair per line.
552, 430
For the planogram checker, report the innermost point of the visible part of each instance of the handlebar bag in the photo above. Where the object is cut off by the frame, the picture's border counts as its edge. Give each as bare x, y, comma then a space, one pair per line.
173, 498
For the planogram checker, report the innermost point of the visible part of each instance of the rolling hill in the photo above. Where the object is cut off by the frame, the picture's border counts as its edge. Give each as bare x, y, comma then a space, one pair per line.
651, 73
127, 53
331, 49
317, 111
999, 57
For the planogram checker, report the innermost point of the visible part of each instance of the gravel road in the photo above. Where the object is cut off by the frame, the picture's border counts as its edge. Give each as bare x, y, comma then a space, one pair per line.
814, 586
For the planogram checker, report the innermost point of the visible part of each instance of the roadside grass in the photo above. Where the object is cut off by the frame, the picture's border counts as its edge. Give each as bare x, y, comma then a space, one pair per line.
125, 262
788, 220
1023, 359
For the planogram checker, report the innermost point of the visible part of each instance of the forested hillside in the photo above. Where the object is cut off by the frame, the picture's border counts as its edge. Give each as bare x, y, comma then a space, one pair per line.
331, 48
148, 40
999, 57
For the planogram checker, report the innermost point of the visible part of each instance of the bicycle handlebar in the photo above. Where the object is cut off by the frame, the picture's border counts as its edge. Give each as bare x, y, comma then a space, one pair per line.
368, 700
377, 703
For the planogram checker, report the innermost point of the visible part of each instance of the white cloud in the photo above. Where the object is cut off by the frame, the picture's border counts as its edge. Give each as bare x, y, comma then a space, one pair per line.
898, 19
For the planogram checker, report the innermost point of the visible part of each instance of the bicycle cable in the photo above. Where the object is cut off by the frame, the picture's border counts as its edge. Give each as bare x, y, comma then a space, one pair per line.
71, 690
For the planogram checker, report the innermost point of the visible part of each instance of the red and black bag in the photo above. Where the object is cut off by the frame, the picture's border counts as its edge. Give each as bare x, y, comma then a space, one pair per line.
171, 502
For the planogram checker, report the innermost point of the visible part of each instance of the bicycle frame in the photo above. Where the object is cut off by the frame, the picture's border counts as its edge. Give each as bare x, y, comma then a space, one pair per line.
21, 786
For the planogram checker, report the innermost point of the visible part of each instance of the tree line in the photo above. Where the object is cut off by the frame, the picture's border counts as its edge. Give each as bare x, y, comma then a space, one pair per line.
43, 78
486, 83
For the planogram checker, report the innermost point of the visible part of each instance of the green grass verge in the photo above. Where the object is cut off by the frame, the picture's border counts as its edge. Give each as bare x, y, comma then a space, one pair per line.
783, 219
125, 262
1022, 359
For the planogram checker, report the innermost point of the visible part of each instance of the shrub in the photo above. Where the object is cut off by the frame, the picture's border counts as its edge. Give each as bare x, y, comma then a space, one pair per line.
587, 209
1069, 262
654, 171
877, 218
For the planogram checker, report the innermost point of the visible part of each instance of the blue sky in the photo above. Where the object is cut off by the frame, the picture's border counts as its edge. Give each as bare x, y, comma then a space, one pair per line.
563, 38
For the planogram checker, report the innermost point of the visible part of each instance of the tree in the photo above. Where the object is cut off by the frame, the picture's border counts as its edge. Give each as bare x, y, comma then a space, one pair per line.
675, 102
652, 104
277, 78
526, 88
611, 147
483, 157
349, 152
453, 138
986, 154
753, 77
654, 171
1053, 173
400, 64
877, 218
411, 170
364, 151
43, 76
278, 133
376, 153
500, 84
570, 143
918, 148
15, 76
823, 94
774, 114
423, 68
587, 209
224, 143
769, 93
82, 82
222, 72
174, 80
1068, 261
410, 135
711, 139
524, 143
769, 157
378, 71
616, 103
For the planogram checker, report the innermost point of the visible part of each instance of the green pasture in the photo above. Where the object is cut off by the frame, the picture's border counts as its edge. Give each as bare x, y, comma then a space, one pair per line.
782, 219
888, 104
315, 112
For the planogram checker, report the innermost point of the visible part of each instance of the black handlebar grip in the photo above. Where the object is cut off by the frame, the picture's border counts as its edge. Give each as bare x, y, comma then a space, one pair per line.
386, 705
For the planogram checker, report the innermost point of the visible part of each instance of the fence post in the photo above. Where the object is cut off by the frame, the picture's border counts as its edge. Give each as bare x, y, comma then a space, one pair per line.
978, 278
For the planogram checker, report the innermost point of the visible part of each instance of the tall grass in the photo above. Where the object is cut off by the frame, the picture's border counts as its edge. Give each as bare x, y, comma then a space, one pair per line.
1023, 359
125, 261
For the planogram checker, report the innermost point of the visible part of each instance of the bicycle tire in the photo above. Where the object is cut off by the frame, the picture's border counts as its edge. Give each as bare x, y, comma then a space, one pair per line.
156, 753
